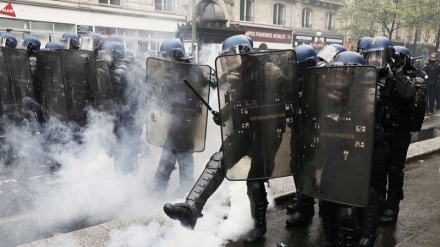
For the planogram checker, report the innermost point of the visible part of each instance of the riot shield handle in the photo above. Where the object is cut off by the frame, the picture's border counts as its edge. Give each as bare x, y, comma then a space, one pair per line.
216, 115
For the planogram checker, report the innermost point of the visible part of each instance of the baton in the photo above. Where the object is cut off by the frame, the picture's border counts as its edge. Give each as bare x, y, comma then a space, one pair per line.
216, 114
198, 95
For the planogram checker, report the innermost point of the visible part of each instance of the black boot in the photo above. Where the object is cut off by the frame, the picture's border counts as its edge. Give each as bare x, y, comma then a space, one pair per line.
369, 221
389, 216
258, 211
258, 199
293, 206
395, 194
328, 213
183, 213
304, 213
189, 211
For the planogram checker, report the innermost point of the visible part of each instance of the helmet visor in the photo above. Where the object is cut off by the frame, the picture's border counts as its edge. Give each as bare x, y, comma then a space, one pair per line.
173, 55
23, 44
377, 58
237, 49
67, 42
3, 42
87, 43
327, 53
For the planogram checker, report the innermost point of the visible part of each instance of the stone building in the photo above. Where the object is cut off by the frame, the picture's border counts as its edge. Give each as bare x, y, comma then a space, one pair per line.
144, 24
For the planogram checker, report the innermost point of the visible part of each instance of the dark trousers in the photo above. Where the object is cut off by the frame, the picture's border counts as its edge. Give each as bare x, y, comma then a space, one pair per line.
433, 95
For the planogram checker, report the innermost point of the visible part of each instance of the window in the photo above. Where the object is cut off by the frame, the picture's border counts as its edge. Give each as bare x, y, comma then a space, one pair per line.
278, 14
164, 5
307, 18
110, 2
329, 21
246, 9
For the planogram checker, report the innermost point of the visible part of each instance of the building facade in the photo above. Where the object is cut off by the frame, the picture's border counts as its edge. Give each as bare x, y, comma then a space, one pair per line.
281, 24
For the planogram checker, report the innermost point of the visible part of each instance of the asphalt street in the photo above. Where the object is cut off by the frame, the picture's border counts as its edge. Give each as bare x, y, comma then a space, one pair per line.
418, 223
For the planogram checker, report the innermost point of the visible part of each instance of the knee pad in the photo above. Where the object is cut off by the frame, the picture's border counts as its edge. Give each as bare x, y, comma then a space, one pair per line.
216, 161
395, 171
346, 215
256, 191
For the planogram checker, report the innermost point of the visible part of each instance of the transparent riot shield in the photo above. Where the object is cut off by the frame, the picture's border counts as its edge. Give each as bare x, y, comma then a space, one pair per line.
72, 64
21, 76
98, 75
176, 118
55, 90
255, 102
337, 133
6, 92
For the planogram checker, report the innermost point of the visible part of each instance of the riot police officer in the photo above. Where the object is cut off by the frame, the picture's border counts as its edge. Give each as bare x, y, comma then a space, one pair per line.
173, 50
116, 38
92, 42
252, 141
126, 129
408, 117
303, 208
340, 220
432, 69
395, 93
8, 40
362, 44
32, 45
328, 52
70, 41
54, 45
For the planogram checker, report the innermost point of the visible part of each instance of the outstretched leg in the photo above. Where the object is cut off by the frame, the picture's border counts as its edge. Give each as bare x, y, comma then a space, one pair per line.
189, 211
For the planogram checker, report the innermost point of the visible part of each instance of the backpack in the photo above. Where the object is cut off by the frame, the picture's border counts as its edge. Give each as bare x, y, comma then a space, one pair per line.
418, 106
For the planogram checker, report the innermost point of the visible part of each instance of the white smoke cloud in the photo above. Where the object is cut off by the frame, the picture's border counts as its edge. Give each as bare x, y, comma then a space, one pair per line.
88, 190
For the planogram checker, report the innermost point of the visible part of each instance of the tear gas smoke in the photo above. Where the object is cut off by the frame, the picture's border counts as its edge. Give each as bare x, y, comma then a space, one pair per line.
88, 190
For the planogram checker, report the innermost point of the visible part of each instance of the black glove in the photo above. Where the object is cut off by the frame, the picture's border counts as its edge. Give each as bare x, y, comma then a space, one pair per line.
217, 119
397, 63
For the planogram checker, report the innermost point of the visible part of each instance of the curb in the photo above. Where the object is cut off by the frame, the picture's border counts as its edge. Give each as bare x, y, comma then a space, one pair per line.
424, 142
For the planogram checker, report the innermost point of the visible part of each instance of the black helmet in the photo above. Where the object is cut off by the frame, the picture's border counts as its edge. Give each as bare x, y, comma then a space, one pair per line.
173, 49
29, 43
92, 42
8, 40
54, 45
379, 52
327, 53
237, 44
349, 58
110, 52
70, 40
433, 57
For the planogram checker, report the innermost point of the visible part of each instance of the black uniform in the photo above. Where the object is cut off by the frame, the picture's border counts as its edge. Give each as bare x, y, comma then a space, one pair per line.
260, 138
392, 138
432, 70
127, 129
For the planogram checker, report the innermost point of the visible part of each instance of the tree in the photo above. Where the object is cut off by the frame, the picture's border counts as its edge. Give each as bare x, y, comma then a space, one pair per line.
368, 17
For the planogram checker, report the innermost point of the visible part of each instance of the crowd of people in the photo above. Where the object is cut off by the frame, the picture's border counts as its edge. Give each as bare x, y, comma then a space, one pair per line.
336, 109
378, 86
